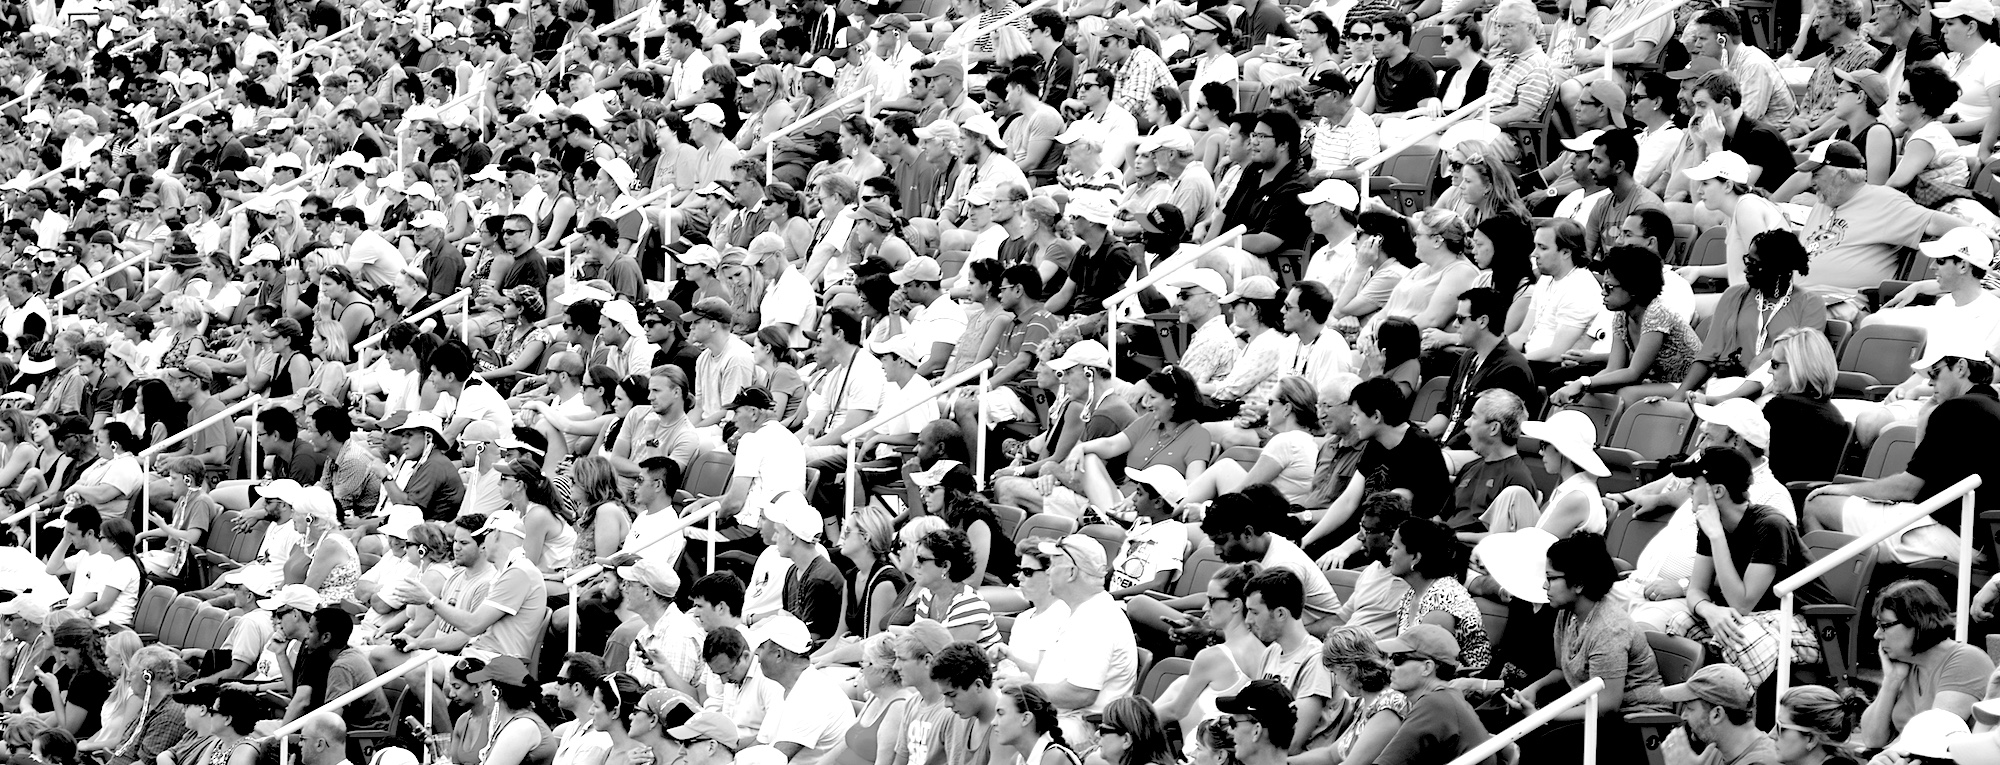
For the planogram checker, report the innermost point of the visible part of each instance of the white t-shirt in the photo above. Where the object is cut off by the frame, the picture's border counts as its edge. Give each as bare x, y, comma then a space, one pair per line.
1296, 452
765, 594
1974, 74
96, 572
858, 385
375, 260
787, 300
774, 461
1036, 632
1096, 652
1575, 300
943, 321
815, 715
1320, 598
1147, 551
479, 402
647, 527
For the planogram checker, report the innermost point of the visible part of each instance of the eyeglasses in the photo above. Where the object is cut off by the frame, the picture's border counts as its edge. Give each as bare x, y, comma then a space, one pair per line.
1609, 287
921, 558
1885, 624
1254, 136
1022, 573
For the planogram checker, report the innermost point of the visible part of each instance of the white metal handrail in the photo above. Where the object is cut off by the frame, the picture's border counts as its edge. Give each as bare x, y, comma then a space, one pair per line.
1658, 11
149, 127
232, 410
609, 27
425, 659
98, 277
1166, 267
27, 91
978, 31
982, 370
265, 194
1367, 166
1787, 589
771, 141
436, 308
1585, 694
679, 525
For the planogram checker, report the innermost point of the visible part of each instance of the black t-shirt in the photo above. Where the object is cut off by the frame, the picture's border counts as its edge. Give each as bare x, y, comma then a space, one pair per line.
1415, 464
87, 690
1764, 147
1477, 485
1401, 87
1764, 536
815, 596
1098, 274
1807, 437
1271, 208
1958, 443
324, 14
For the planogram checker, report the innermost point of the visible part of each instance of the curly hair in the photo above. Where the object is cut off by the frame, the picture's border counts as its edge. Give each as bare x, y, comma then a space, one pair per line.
952, 550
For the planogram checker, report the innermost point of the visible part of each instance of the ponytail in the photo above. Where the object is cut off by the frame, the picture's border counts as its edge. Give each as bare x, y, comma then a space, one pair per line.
1035, 704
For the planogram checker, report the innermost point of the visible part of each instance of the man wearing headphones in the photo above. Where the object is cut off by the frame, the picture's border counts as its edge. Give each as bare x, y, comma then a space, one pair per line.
1090, 410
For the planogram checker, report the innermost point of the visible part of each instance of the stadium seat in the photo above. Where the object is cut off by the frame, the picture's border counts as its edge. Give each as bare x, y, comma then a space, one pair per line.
1626, 535
1877, 354
180, 619
152, 614
1162, 675
1046, 526
1710, 248
708, 474
1646, 431
1684, 236
1678, 658
1430, 399
1342, 581
1112, 537
206, 631
1492, 617
1837, 331
1196, 570
1838, 624
1406, 180
1010, 518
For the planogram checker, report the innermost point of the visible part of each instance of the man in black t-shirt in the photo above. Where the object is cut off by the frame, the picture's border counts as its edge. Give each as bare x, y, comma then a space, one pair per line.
1400, 457
1403, 82
1741, 551
1721, 124
1957, 443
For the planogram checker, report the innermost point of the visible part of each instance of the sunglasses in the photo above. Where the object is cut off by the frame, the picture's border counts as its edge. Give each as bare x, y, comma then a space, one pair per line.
1905, 98
1447, 39
927, 559
1109, 730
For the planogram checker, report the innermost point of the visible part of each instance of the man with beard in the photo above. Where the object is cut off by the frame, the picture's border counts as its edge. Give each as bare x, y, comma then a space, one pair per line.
1717, 708
1613, 159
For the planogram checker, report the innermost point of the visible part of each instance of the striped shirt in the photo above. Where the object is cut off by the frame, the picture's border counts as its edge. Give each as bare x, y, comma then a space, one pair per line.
967, 610
1522, 79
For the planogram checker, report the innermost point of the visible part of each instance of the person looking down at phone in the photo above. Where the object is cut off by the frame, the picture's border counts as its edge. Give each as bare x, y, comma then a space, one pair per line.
1594, 637
1743, 549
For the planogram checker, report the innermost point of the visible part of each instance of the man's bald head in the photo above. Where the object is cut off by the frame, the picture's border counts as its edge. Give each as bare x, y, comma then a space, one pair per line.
325, 739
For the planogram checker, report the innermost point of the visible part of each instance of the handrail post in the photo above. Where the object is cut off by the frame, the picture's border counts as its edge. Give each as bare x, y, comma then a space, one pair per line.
770, 141
1966, 514
711, 541
430, 682
35, 530
1590, 729
256, 460
575, 611
285, 750
979, 403
852, 491
1786, 606
145, 492
1540, 717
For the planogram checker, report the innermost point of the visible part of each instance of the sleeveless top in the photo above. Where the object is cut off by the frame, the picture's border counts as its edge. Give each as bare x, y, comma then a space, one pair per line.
557, 554
1593, 523
339, 584
179, 351
1204, 704
863, 735
544, 751
1042, 746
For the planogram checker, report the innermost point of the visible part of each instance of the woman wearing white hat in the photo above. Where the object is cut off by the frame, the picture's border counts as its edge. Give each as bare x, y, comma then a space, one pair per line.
323, 559
1569, 451
1723, 183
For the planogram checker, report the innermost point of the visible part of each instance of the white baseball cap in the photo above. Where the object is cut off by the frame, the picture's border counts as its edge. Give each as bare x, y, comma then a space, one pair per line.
1965, 243
1208, 279
1741, 416
1727, 165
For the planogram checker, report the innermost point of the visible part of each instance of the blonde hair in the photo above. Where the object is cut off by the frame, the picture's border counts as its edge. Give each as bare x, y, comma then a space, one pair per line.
1810, 369
877, 526
878, 656
915, 530
338, 347
187, 305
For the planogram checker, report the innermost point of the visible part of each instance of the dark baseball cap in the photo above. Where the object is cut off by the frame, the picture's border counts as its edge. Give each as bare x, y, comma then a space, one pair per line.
751, 397
1264, 699
1833, 154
